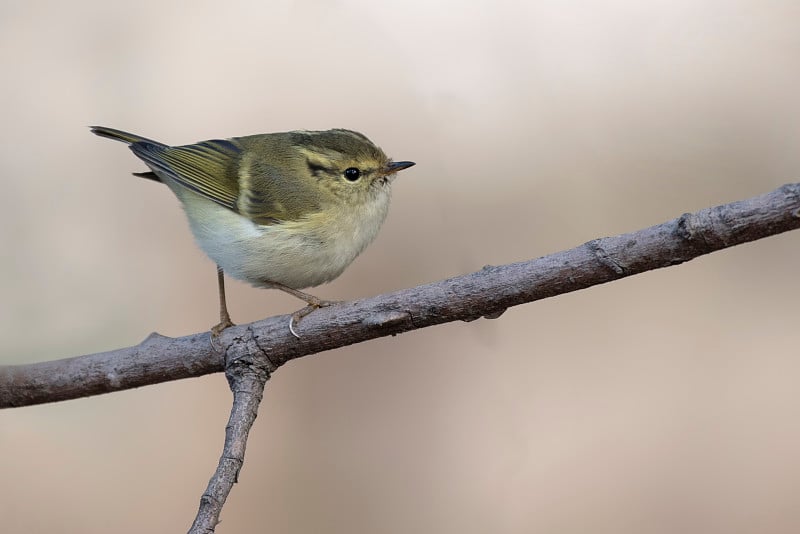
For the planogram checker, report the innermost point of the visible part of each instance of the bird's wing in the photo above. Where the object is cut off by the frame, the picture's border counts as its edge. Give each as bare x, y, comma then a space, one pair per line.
209, 168
266, 193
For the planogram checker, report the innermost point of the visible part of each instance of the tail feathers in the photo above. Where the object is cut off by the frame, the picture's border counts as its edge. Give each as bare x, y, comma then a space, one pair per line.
119, 135
131, 139
149, 175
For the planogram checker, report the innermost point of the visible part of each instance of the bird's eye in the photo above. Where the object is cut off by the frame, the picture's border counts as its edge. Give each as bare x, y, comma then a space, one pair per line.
352, 174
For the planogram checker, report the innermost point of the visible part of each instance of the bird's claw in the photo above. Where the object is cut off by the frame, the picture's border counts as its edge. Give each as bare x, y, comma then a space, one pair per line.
217, 329
299, 314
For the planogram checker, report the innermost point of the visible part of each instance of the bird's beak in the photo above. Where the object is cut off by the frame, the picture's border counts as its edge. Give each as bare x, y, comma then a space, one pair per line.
395, 166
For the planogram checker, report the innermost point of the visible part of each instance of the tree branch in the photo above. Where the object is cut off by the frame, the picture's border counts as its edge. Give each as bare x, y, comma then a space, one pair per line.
486, 293
247, 371
252, 352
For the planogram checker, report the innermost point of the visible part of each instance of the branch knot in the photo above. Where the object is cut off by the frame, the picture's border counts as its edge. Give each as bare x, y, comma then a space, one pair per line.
595, 246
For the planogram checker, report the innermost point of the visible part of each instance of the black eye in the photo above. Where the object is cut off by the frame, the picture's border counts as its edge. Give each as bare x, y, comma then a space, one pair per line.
352, 174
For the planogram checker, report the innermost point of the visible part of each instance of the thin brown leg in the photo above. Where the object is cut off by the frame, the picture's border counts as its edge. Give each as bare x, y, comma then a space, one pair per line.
311, 300
224, 318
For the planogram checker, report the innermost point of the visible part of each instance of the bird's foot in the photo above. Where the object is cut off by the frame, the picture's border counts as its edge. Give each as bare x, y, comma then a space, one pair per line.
314, 303
217, 329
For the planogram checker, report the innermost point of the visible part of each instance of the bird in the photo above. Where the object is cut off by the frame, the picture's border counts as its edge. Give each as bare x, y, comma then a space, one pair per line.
288, 210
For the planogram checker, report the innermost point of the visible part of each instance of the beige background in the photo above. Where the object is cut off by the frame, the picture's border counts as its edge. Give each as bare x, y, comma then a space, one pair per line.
667, 402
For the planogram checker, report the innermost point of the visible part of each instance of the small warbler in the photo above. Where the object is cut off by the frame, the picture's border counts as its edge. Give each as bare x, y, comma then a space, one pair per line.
282, 210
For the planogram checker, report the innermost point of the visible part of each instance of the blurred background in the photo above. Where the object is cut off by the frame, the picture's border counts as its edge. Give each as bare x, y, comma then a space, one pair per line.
666, 402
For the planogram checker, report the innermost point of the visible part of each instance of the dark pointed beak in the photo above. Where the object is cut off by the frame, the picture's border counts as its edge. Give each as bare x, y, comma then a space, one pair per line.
395, 166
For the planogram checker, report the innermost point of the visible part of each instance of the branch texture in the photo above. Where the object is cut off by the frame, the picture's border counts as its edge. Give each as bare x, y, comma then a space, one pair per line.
486, 293
247, 371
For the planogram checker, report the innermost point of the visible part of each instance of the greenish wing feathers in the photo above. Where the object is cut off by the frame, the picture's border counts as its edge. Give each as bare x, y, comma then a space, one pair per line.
209, 168
271, 195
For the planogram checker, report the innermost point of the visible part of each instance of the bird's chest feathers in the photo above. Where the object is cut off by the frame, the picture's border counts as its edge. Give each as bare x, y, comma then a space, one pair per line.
347, 232
303, 253
316, 250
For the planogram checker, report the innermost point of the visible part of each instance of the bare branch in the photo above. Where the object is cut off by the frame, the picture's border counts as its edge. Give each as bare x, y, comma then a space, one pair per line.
247, 370
252, 352
486, 293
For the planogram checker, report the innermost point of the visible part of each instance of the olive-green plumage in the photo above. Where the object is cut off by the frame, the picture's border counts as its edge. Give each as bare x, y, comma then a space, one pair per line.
287, 210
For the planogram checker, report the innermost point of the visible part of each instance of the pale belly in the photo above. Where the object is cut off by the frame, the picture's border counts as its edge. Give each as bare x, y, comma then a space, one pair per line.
296, 254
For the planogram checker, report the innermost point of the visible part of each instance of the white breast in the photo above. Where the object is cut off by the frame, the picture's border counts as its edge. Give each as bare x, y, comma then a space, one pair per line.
297, 254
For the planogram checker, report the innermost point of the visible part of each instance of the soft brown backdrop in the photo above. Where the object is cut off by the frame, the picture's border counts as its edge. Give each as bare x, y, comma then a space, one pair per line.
663, 403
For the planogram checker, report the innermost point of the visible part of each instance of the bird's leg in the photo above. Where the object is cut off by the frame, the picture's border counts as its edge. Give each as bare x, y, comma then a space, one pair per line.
311, 300
314, 303
224, 318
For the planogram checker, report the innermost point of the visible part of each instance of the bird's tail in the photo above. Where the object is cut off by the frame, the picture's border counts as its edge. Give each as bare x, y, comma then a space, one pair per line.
119, 135
129, 138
